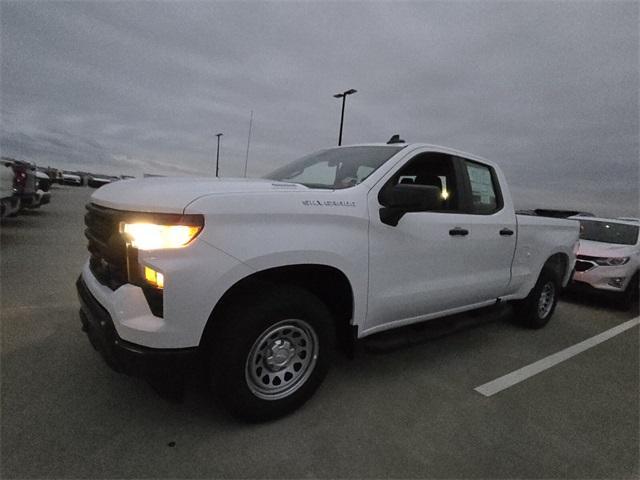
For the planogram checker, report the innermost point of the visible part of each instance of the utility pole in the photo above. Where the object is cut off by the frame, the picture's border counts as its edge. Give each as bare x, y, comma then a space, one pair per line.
246, 159
343, 95
218, 154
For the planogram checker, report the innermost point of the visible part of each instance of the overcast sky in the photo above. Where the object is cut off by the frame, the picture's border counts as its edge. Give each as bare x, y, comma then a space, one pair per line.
549, 90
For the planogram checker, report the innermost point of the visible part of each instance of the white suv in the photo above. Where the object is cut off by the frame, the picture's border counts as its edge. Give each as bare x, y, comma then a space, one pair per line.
609, 256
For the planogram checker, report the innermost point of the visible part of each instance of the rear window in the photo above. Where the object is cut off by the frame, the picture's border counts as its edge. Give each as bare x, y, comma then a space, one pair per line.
608, 232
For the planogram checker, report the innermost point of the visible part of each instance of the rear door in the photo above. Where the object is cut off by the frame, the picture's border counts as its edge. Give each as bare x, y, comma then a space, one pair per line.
494, 229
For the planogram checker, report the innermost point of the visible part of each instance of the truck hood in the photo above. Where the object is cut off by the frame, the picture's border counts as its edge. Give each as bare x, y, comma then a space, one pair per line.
601, 249
173, 194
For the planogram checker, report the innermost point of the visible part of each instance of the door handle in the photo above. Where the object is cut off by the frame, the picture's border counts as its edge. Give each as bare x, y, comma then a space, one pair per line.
458, 232
506, 232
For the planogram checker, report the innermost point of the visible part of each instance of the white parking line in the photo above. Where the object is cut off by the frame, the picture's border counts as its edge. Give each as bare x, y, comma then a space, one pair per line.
510, 379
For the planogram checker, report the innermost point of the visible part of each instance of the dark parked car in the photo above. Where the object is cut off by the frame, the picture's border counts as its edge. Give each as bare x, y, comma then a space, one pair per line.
71, 179
25, 184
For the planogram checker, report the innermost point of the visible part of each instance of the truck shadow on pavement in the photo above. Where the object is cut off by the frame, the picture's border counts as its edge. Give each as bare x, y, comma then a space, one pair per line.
402, 345
90, 381
21, 221
599, 300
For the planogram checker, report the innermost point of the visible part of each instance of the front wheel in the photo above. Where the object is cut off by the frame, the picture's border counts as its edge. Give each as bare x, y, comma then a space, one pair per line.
536, 309
631, 293
270, 352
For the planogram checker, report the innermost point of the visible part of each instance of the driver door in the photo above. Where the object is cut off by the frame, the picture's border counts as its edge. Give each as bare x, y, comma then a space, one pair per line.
423, 265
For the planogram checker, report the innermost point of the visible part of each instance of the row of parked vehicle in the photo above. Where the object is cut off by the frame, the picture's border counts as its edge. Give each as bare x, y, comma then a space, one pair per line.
78, 179
22, 186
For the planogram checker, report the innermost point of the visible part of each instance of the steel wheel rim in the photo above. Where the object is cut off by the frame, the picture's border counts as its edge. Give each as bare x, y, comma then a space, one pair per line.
281, 359
545, 302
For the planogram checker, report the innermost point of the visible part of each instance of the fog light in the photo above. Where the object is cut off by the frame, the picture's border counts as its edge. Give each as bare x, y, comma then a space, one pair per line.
616, 282
154, 278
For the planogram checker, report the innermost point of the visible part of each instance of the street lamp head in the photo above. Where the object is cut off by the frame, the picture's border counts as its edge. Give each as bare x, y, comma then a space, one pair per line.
344, 94
219, 134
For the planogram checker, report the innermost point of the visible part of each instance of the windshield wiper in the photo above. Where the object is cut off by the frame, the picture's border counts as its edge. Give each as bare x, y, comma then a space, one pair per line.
319, 186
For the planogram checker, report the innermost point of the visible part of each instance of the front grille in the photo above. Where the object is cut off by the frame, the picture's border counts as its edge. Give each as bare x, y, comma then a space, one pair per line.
107, 247
112, 262
582, 266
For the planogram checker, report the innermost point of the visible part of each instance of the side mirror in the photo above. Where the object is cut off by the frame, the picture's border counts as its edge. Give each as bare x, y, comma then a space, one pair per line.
403, 198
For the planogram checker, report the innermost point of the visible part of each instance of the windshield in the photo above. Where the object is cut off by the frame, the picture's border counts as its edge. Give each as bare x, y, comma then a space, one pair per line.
606, 232
335, 168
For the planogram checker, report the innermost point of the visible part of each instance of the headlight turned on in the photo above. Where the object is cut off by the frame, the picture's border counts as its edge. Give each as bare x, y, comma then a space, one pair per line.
160, 235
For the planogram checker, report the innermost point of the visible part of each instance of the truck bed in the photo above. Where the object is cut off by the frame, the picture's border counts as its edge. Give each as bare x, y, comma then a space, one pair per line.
537, 236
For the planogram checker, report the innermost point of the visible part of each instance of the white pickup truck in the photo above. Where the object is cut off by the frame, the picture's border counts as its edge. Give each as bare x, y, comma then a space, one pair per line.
259, 277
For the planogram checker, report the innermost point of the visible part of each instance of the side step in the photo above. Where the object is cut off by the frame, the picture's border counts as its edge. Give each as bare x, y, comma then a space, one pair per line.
418, 333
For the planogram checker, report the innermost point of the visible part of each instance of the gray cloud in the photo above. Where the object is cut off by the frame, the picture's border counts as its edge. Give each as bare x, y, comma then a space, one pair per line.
547, 89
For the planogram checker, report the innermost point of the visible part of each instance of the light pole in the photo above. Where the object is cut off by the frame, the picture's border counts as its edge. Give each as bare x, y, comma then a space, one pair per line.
218, 153
343, 95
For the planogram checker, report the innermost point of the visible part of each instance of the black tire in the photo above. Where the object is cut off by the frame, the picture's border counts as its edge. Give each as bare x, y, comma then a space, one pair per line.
631, 294
534, 311
248, 391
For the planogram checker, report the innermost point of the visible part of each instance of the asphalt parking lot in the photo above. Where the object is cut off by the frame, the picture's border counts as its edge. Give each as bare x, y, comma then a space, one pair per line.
409, 410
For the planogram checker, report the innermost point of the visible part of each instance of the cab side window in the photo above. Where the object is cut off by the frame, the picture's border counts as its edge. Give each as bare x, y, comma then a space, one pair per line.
434, 169
484, 198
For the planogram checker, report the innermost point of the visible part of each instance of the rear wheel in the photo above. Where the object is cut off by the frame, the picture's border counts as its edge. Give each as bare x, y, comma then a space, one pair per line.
536, 309
270, 352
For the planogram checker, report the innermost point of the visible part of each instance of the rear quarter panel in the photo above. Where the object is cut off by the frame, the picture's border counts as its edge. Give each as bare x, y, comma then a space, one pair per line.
538, 239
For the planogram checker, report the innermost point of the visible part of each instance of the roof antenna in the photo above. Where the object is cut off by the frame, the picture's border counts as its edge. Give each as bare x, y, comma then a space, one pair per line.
395, 139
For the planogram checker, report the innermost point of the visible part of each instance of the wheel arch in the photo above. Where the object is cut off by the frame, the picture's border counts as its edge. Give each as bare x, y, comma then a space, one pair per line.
330, 284
559, 264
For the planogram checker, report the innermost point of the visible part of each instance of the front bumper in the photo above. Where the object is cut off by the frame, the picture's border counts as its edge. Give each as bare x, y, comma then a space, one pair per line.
600, 278
120, 355
39, 199
28, 200
45, 198
10, 205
